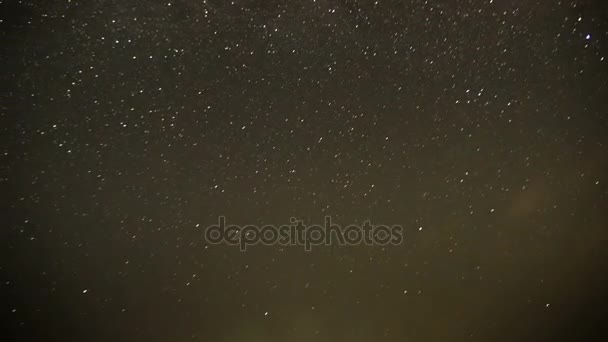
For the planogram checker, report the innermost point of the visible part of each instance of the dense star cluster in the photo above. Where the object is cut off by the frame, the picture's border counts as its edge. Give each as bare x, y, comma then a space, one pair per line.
128, 127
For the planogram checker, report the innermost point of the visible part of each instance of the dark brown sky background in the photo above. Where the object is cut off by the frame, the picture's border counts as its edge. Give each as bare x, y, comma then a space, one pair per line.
125, 124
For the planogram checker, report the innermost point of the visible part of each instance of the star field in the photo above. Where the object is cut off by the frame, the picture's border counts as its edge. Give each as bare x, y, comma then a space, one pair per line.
480, 126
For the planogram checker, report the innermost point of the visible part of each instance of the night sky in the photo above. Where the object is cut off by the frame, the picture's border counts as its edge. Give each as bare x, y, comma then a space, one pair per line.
127, 127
